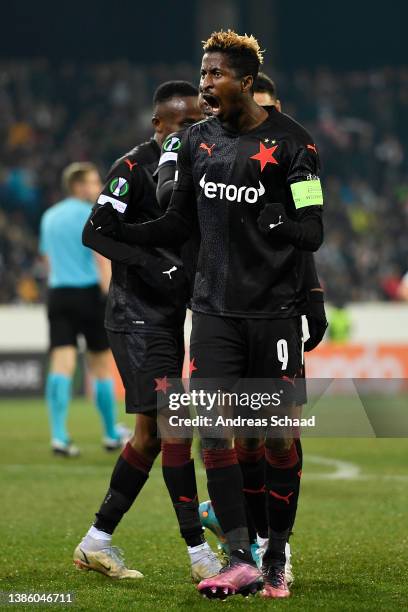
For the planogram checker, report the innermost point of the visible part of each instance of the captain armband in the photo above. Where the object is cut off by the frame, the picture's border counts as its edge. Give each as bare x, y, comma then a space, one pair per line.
307, 193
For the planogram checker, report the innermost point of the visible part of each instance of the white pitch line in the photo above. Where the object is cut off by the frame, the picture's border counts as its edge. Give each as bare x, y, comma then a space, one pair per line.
343, 470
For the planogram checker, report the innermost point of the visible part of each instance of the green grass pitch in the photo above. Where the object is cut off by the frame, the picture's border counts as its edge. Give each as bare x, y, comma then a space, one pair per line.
349, 548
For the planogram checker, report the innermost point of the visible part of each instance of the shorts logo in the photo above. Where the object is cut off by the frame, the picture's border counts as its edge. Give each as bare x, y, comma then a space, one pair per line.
172, 143
231, 192
119, 186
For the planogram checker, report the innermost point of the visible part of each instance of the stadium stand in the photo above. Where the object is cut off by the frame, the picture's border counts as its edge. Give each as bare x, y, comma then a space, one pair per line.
55, 114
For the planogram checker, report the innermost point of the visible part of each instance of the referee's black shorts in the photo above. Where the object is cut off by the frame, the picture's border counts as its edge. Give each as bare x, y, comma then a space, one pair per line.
78, 311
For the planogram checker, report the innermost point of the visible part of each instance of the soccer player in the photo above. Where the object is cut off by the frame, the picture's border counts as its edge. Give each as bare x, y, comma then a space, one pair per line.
145, 318
250, 452
78, 284
252, 176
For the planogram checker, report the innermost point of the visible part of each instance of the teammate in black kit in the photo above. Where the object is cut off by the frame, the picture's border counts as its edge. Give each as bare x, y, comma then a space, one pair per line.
144, 318
250, 451
252, 175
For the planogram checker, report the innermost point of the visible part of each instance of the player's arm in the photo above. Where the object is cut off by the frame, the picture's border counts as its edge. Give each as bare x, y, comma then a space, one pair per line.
316, 314
123, 186
166, 169
43, 247
114, 250
165, 184
305, 231
173, 229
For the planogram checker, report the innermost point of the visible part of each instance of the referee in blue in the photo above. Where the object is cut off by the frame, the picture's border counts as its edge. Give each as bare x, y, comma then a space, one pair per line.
78, 283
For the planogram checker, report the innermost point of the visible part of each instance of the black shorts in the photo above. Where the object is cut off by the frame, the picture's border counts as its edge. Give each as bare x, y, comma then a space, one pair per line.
77, 311
226, 350
143, 359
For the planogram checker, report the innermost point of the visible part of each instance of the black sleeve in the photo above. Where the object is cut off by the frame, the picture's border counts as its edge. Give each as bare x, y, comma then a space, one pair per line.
166, 168
304, 182
122, 189
165, 184
112, 249
175, 227
123, 186
306, 233
310, 278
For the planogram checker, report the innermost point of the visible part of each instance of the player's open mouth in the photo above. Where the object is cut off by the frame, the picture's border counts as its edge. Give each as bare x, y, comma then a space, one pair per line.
213, 102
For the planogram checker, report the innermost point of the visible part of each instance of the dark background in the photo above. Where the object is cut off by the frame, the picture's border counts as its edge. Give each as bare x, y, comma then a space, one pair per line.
77, 80
347, 34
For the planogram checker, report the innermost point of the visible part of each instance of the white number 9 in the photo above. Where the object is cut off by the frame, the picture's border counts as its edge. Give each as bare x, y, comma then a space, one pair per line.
282, 349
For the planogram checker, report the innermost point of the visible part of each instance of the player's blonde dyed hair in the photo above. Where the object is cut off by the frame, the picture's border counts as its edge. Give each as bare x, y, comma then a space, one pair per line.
230, 41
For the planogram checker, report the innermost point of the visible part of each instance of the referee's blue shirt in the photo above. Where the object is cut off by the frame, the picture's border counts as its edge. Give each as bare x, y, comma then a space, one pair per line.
71, 263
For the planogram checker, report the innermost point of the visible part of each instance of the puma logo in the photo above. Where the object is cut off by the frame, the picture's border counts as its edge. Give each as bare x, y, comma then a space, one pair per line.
187, 499
272, 225
284, 498
169, 272
289, 380
205, 147
254, 491
129, 163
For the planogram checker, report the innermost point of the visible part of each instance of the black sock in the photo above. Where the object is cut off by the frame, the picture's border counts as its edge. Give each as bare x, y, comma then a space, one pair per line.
179, 476
252, 532
297, 489
252, 463
128, 477
282, 488
224, 482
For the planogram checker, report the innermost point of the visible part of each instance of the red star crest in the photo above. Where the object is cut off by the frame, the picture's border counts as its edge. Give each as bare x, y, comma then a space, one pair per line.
265, 155
162, 384
192, 366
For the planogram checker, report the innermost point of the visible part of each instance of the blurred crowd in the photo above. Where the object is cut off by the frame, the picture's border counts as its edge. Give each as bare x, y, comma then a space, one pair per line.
51, 115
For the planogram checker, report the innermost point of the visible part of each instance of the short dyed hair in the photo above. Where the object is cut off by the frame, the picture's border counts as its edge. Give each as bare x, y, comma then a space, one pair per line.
75, 173
244, 52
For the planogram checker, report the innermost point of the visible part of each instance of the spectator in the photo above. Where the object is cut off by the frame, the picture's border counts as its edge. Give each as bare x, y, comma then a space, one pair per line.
55, 114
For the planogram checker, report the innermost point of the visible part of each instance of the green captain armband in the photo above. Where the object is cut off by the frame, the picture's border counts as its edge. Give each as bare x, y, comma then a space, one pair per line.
307, 193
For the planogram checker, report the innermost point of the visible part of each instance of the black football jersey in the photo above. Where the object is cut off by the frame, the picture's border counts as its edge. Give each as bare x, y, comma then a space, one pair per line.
134, 304
166, 169
242, 272
225, 179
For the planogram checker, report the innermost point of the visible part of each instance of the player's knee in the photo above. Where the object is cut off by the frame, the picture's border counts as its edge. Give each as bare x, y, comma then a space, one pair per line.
279, 445
144, 439
99, 364
216, 444
183, 441
63, 360
249, 444
146, 445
